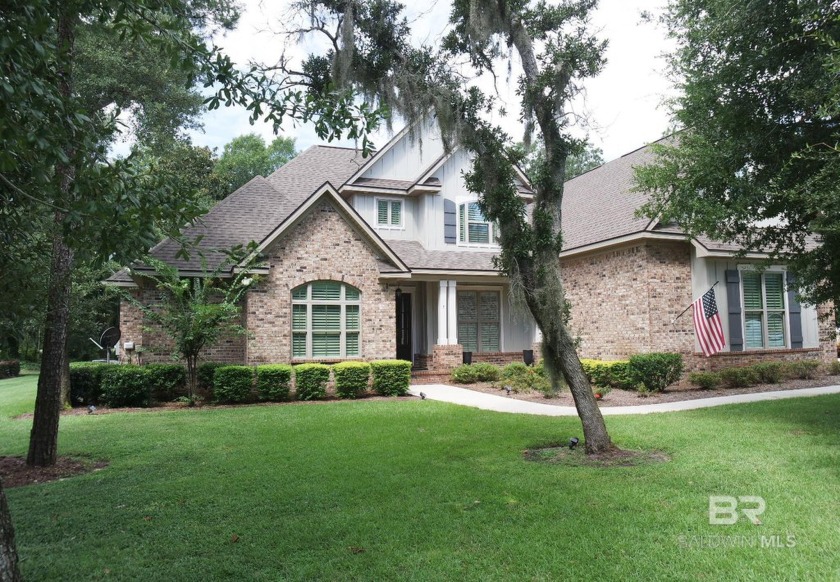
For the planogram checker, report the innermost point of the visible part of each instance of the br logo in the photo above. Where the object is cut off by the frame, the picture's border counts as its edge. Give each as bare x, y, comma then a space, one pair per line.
723, 509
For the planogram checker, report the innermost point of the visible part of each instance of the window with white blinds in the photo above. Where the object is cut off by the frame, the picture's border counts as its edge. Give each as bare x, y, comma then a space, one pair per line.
479, 327
389, 213
765, 313
473, 228
326, 320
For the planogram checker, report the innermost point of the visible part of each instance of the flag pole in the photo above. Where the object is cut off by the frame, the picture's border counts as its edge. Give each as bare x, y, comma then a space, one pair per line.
673, 321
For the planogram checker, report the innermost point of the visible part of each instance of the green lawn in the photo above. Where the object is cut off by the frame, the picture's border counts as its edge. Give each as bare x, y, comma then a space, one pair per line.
422, 490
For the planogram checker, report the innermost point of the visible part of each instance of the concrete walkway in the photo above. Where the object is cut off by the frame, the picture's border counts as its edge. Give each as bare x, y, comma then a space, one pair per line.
485, 401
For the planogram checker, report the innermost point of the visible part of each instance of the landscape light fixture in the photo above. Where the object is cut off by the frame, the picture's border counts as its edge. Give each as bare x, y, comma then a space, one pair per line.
91, 409
573, 443
508, 390
422, 396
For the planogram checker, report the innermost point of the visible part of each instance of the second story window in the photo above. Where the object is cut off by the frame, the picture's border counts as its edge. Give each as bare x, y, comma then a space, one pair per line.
474, 229
389, 213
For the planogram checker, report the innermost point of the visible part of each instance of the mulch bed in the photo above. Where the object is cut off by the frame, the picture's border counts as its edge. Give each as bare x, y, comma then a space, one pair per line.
15, 472
674, 393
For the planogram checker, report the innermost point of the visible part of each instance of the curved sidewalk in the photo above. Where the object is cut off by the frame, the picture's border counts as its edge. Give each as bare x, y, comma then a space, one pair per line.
485, 401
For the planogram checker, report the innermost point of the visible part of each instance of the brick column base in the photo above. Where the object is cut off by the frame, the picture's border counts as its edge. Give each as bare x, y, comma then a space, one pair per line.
444, 358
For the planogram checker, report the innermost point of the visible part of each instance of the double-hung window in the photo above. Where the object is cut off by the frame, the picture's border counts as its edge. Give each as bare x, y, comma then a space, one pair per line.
474, 229
326, 320
389, 213
765, 311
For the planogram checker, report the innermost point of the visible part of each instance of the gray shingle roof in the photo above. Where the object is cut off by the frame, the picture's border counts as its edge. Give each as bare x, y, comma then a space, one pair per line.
599, 205
418, 257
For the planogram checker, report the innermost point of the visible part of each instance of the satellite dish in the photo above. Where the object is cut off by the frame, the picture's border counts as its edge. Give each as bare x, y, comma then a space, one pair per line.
110, 337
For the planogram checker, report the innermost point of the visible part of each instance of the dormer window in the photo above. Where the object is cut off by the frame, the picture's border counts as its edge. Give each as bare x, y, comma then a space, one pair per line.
389, 213
474, 229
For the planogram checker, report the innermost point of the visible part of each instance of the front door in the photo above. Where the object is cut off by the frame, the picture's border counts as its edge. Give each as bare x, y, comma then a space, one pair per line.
403, 301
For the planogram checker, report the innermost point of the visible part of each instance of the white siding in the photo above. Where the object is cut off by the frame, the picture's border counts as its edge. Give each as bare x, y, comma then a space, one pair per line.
409, 158
365, 205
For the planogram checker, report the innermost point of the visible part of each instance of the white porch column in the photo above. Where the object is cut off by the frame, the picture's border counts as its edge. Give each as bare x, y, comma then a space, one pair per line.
537, 333
442, 338
453, 314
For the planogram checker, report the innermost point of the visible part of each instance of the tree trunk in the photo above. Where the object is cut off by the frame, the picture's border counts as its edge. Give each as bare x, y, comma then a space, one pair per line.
43, 440
64, 397
9, 571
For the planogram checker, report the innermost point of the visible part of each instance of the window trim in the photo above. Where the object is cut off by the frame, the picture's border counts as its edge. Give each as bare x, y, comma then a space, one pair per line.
765, 335
343, 303
493, 229
390, 201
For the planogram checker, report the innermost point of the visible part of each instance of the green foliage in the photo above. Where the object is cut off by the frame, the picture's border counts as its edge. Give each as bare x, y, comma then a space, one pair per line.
125, 386
167, 381
86, 382
311, 381
521, 378
834, 368
705, 380
740, 377
801, 369
205, 375
233, 384
759, 99
274, 382
609, 374
351, 378
768, 372
247, 156
391, 377
479, 372
656, 371
9, 368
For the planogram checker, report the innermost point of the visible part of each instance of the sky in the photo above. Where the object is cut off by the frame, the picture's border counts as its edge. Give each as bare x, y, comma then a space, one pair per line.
624, 105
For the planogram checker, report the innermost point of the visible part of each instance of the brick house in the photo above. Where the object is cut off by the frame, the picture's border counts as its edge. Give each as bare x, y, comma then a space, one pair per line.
390, 257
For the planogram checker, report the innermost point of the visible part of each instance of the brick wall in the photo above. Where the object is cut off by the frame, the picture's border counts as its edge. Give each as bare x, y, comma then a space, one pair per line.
321, 247
446, 357
500, 358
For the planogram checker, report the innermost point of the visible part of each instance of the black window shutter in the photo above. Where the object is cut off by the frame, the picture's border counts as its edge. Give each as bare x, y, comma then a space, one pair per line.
795, 313
733, 299
450, 222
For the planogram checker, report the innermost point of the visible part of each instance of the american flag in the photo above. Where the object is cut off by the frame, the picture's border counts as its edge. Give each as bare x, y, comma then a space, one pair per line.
707, 324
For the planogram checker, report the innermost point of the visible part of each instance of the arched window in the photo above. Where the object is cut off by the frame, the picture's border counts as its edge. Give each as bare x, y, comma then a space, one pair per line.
326, 320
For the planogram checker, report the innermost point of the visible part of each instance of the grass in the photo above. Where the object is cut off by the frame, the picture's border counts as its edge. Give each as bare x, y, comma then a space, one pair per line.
421, 490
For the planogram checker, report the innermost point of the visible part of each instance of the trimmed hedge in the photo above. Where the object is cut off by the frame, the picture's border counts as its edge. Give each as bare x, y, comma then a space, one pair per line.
391, 377
311, 381
125, 386
351, 378
274, 382
655, 371
232, 384
768, 372
9, 368
802, 369
481, 372
205, 375
168, 381
86, 382
738, 377
705, 380
609, 374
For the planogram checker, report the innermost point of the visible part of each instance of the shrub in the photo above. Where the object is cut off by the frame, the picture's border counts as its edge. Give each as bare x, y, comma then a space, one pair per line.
206, 373
522, 378
391, 377
311, 381
86, 382
167, 381
233, 383
125, 386
768, 372
351, 378
738, 377
513, 370
612, 374
469, 373
656, 371
834, 368
9, 368
274, 382
705, 380
802, 369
